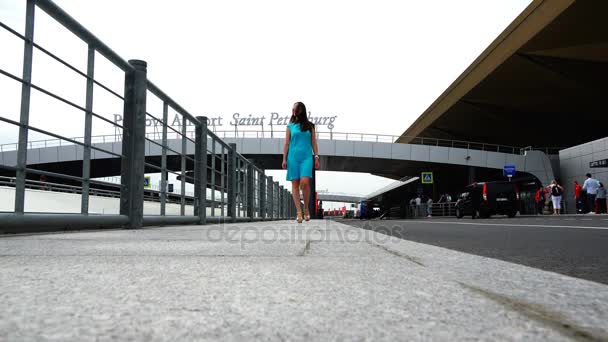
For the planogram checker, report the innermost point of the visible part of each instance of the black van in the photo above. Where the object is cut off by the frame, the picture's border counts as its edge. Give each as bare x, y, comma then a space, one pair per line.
485, 199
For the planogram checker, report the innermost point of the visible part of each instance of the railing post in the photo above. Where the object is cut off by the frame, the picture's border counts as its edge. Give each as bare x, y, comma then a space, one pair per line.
284, 203
250, 191
133, 144
24, 117
88, 122
287, 203
182, 210
312, 198
262, 195
200, 170
163, 162
281, 199
270, 203
232, 182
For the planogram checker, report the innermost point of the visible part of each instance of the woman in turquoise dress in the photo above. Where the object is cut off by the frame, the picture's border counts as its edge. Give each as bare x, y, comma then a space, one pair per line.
299, 155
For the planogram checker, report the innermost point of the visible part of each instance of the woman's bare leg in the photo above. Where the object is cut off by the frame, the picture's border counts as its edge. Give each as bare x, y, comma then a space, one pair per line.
295, 193
305, 182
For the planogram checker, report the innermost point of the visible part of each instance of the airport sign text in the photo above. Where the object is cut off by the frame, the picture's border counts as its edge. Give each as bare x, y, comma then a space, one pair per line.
273, 119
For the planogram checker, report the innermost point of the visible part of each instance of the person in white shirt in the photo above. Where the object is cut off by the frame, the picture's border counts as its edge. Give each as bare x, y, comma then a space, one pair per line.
418, 201
591, 185
556, 191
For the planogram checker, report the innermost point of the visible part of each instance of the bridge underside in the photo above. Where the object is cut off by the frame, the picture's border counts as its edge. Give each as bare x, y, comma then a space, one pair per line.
448, 178
547, 69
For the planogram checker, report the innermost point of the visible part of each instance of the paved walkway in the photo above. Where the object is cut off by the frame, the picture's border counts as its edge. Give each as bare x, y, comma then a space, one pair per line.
280, 281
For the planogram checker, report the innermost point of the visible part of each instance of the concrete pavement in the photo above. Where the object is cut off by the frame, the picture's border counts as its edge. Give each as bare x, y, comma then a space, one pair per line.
280, 281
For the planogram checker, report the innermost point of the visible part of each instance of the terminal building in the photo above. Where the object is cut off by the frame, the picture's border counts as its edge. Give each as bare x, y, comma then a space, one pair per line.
541, 86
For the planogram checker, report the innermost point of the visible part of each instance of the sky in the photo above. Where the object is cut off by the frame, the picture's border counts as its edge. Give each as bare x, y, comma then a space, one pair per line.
375, 65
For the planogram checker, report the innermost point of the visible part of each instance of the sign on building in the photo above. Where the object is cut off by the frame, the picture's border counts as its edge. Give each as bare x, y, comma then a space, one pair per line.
427, 178
147, 183
598, 163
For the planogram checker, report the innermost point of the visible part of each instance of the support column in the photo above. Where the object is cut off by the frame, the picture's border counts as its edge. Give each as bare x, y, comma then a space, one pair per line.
200, 170
232, 182
471, 174
133, 144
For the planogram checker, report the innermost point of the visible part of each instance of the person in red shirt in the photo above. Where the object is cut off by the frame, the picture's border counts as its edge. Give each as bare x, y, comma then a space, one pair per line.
539, 197
578, 198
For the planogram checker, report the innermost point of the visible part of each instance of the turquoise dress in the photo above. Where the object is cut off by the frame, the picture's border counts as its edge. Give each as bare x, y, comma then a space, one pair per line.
299, 155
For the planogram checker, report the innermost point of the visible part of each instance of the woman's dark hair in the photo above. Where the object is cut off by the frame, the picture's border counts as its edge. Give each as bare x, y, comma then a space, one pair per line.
300, 116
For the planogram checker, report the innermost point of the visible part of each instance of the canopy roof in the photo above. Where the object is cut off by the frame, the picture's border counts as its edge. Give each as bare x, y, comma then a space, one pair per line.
542, 82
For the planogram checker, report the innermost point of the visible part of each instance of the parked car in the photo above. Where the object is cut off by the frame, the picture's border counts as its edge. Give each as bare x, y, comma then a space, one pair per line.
484, 199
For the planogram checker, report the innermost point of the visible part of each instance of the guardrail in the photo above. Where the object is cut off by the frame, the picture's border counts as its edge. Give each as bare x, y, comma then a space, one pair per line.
369, 137
437, 209
217, 165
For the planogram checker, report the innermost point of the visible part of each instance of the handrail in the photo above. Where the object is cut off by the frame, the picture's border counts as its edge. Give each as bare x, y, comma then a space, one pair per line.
58, 187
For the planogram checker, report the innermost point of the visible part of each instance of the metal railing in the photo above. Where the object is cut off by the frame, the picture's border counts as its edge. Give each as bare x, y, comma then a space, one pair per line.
215, 164
386, 138
367, 137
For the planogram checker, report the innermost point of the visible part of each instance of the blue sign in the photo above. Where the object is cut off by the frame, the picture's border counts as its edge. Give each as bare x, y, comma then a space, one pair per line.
508, 171
427, 178
147, 184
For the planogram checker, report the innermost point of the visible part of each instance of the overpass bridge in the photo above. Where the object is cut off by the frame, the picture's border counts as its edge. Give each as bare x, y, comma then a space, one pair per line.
339, 197
451, 160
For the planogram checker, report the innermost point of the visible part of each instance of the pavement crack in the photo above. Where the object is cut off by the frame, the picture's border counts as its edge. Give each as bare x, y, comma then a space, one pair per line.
541, 315
398, 254
186, 309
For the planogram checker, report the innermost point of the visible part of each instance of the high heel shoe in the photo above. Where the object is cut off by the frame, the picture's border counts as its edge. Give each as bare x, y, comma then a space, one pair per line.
306, 215
299, 216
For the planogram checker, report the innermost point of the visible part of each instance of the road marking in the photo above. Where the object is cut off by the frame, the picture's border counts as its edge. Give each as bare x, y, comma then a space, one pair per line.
508, 224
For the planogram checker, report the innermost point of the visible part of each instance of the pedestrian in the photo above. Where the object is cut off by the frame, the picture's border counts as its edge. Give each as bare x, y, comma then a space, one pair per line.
556, 196
540, 198
300, 145
590, 186
418, 202
429, 207
577, 197
601, 199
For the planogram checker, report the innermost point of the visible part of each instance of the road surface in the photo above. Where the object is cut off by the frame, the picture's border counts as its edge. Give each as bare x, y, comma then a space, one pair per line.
576, 246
